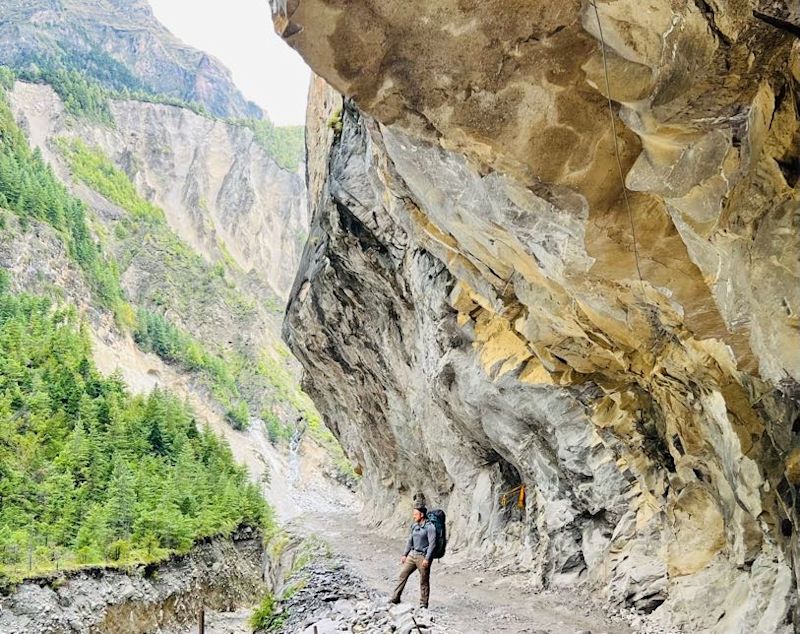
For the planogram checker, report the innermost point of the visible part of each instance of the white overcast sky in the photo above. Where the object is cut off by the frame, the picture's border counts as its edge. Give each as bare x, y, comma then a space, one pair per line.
240, 34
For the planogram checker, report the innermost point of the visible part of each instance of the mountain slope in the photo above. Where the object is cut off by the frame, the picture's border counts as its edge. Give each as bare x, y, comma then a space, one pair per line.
209, 311
102, 470
121, 45
220, 190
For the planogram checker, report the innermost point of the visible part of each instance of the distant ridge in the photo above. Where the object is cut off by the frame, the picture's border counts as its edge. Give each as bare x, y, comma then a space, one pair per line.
120, 44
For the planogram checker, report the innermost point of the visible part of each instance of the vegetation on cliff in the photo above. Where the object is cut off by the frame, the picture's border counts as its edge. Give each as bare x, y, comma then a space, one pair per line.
96, 170
90, 473
186, 284
29, 188
242, 380
155, 333
285, 144
81, 97
87, 91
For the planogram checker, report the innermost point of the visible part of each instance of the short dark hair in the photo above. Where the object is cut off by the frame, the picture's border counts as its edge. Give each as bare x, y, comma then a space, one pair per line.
421, 509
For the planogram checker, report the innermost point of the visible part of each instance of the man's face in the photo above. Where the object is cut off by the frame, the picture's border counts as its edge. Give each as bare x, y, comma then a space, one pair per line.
417, 515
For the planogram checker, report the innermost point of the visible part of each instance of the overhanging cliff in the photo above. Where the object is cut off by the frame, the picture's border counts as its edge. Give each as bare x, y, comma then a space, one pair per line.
469, 308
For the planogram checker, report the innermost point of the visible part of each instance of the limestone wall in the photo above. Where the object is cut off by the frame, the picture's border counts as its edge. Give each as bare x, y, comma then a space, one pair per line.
469, 309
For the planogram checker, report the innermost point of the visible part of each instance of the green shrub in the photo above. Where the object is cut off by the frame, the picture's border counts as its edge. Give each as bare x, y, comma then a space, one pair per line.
119, 550
95, 169
277, 431
148, 96
285, 144
239, 416
335, 122
7, 78
85, 555
81, 97
265, 618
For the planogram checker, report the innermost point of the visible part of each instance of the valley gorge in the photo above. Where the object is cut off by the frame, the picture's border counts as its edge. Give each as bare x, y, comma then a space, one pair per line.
167, 223
537, 262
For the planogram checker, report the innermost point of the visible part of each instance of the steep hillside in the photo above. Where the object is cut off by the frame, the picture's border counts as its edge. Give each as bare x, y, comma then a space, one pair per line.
220, 190
174, 289
599, 381
121, 45
211, 313
104, 475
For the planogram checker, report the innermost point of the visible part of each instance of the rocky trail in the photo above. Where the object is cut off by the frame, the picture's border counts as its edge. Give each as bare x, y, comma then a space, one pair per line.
346, 589
467, 596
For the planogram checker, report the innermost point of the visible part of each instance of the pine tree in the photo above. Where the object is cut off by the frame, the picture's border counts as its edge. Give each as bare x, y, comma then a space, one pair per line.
121, 500
94, 471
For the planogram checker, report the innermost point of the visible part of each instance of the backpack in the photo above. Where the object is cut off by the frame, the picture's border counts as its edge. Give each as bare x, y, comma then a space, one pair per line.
437, 518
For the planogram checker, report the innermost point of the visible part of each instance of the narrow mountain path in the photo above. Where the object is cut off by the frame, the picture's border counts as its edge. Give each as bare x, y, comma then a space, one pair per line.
464, 597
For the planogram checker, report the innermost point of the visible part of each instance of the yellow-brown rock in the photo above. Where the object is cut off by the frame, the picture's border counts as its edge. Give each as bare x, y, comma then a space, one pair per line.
793, 467
472, 316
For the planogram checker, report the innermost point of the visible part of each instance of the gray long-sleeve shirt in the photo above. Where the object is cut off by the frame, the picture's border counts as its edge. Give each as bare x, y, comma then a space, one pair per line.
422, 539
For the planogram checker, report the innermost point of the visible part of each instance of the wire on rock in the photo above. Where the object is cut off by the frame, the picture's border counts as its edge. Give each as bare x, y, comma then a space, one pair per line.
616, 142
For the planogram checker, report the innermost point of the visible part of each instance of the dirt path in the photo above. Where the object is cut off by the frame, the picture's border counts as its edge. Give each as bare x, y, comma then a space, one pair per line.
463, 596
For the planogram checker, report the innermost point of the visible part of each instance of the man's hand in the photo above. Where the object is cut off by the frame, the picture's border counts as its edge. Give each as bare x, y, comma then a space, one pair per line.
403, 559
425, 563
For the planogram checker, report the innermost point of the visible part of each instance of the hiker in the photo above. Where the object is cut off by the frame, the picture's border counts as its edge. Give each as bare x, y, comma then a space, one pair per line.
418, 556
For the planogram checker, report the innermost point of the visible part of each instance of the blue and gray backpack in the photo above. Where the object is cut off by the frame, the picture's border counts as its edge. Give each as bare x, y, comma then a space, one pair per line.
437, 518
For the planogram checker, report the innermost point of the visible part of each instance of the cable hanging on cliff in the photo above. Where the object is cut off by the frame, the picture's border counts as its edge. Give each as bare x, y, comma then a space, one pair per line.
616, 143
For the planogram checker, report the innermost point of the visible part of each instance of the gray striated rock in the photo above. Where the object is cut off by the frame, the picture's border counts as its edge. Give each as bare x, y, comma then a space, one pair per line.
468, 307
328, 598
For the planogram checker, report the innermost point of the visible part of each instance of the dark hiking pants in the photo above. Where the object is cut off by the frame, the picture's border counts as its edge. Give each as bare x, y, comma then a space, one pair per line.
414, 562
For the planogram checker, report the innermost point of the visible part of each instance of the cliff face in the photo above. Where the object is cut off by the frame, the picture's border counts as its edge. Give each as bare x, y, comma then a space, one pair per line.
120, 42
470, 311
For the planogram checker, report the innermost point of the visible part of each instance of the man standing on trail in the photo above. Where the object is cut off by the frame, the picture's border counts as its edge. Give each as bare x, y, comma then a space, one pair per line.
418, 556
